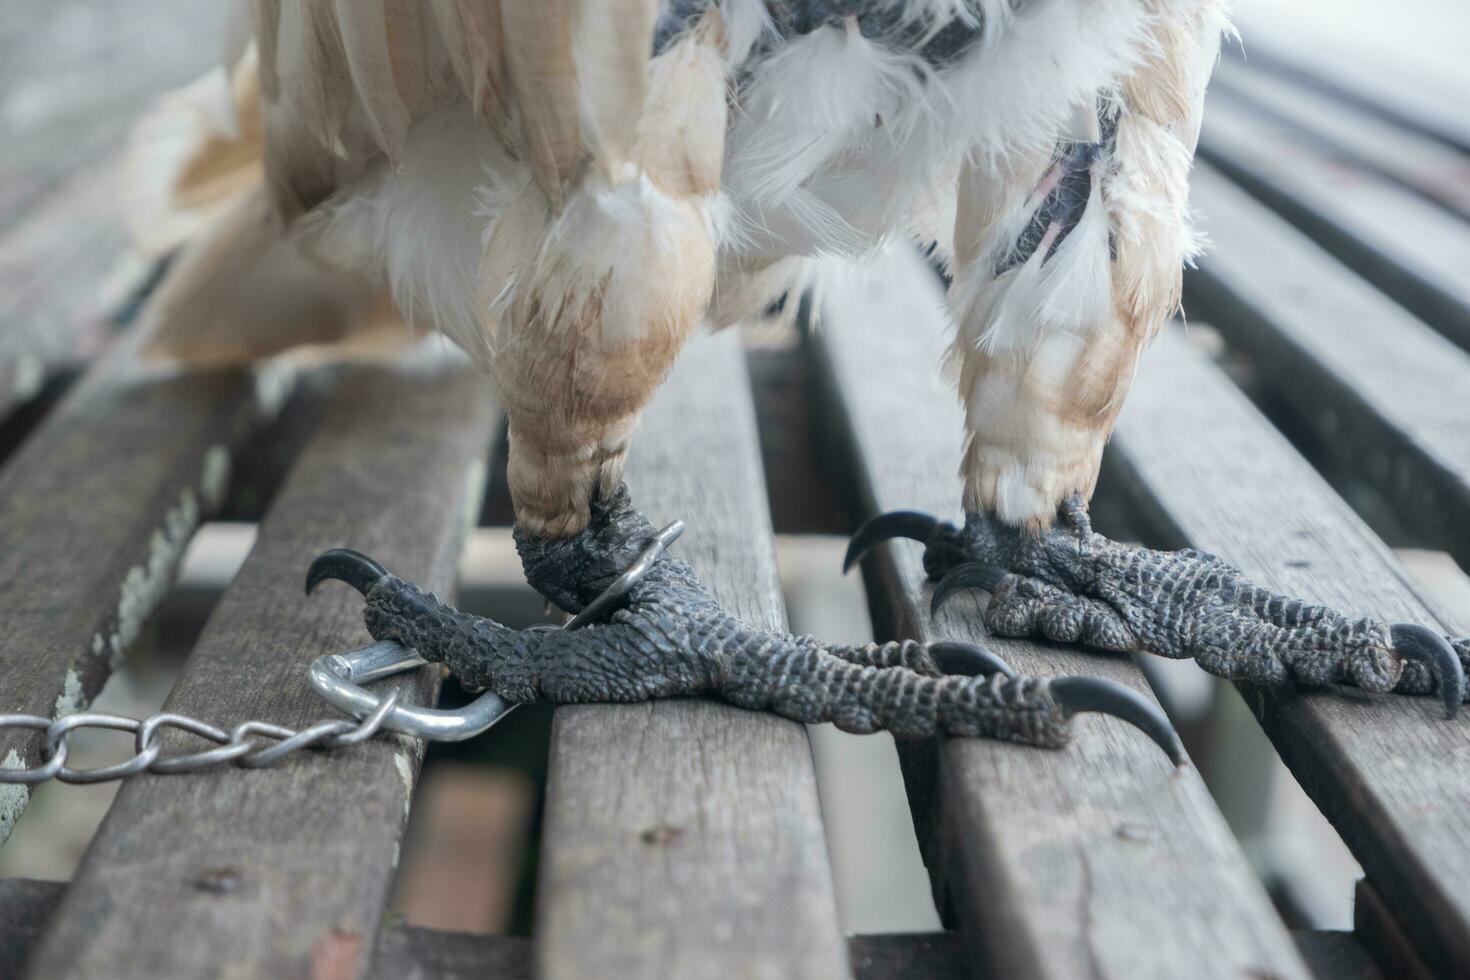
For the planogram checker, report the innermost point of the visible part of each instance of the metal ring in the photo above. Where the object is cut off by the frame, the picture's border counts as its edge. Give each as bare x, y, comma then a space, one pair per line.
49, 768
624, 582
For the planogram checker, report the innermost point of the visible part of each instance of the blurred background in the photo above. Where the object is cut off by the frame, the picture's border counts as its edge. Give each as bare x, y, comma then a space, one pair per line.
73, 76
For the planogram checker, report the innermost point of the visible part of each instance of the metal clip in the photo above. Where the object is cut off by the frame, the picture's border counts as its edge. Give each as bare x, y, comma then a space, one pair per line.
338, 677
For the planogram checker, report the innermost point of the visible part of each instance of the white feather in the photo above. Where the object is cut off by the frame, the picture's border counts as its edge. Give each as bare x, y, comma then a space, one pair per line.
1076, 287
823, 97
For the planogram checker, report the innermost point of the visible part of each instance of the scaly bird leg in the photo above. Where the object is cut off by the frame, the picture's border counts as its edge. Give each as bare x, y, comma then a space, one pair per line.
1072, 585
672, 639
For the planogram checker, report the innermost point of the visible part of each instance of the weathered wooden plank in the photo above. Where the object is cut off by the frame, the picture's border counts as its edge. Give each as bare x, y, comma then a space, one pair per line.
1098, 860
409, 953
1377, 386
307, 848
1207, 470
683, 838
1439, 172
26, 907
933, 956
1336, 956
1407, 98
1408, 247
1381, 936
95, 511
76, 73
64, 272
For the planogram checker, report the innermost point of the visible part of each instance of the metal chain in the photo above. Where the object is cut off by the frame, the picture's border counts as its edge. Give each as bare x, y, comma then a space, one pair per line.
332, 676
244, 745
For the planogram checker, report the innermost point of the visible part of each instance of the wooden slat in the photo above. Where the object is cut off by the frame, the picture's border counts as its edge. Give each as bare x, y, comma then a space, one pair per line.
1336, 956
26, 907
64, 271
1408, 247
1394, 91
309, 847
1377, 387
411, 952
1439, 172
1378, 930
1207, 470
898, 956
76, 73
408, 953
1097, 860
96, 509
683, 838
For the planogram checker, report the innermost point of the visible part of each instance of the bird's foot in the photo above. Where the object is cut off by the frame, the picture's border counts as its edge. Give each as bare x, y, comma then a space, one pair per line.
667, 637
1072, 585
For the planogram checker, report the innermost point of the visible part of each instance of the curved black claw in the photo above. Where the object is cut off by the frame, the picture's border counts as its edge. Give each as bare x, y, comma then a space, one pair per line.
968, 659
894, 524
346, 565
970, 575
1433, 651
1078, 694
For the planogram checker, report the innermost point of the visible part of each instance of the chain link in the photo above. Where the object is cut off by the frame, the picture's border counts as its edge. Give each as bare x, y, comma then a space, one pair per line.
248, 744
245, 744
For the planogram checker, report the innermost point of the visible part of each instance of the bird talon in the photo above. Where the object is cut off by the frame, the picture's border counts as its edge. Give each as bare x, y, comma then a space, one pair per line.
1423, 645
1076, 695
345, 565
895, 524
968, 659
970, 575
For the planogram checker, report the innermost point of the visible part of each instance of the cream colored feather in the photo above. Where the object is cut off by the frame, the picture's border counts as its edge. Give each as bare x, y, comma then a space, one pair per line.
542, 71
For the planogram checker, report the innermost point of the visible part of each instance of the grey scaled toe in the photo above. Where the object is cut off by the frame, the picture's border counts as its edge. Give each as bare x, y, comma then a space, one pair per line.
1072, 585
667, 637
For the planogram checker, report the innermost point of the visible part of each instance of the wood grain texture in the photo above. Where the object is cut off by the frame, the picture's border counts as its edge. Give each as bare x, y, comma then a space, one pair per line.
1424, 165
1096, 860
1377, 386
683, 838
26, 908
64, 272
1336, 956
1207, 470
1406, 246
96, 509
409, 953
1415, 101
1378, 931
903, 955
76, 73
309, 846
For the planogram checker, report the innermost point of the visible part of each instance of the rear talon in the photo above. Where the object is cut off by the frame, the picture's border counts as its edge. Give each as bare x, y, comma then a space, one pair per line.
345, 565
968, 660
1427, 647
961, 578
894, 524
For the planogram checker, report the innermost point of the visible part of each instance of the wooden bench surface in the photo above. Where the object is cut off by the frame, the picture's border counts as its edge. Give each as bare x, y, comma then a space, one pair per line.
685, 838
